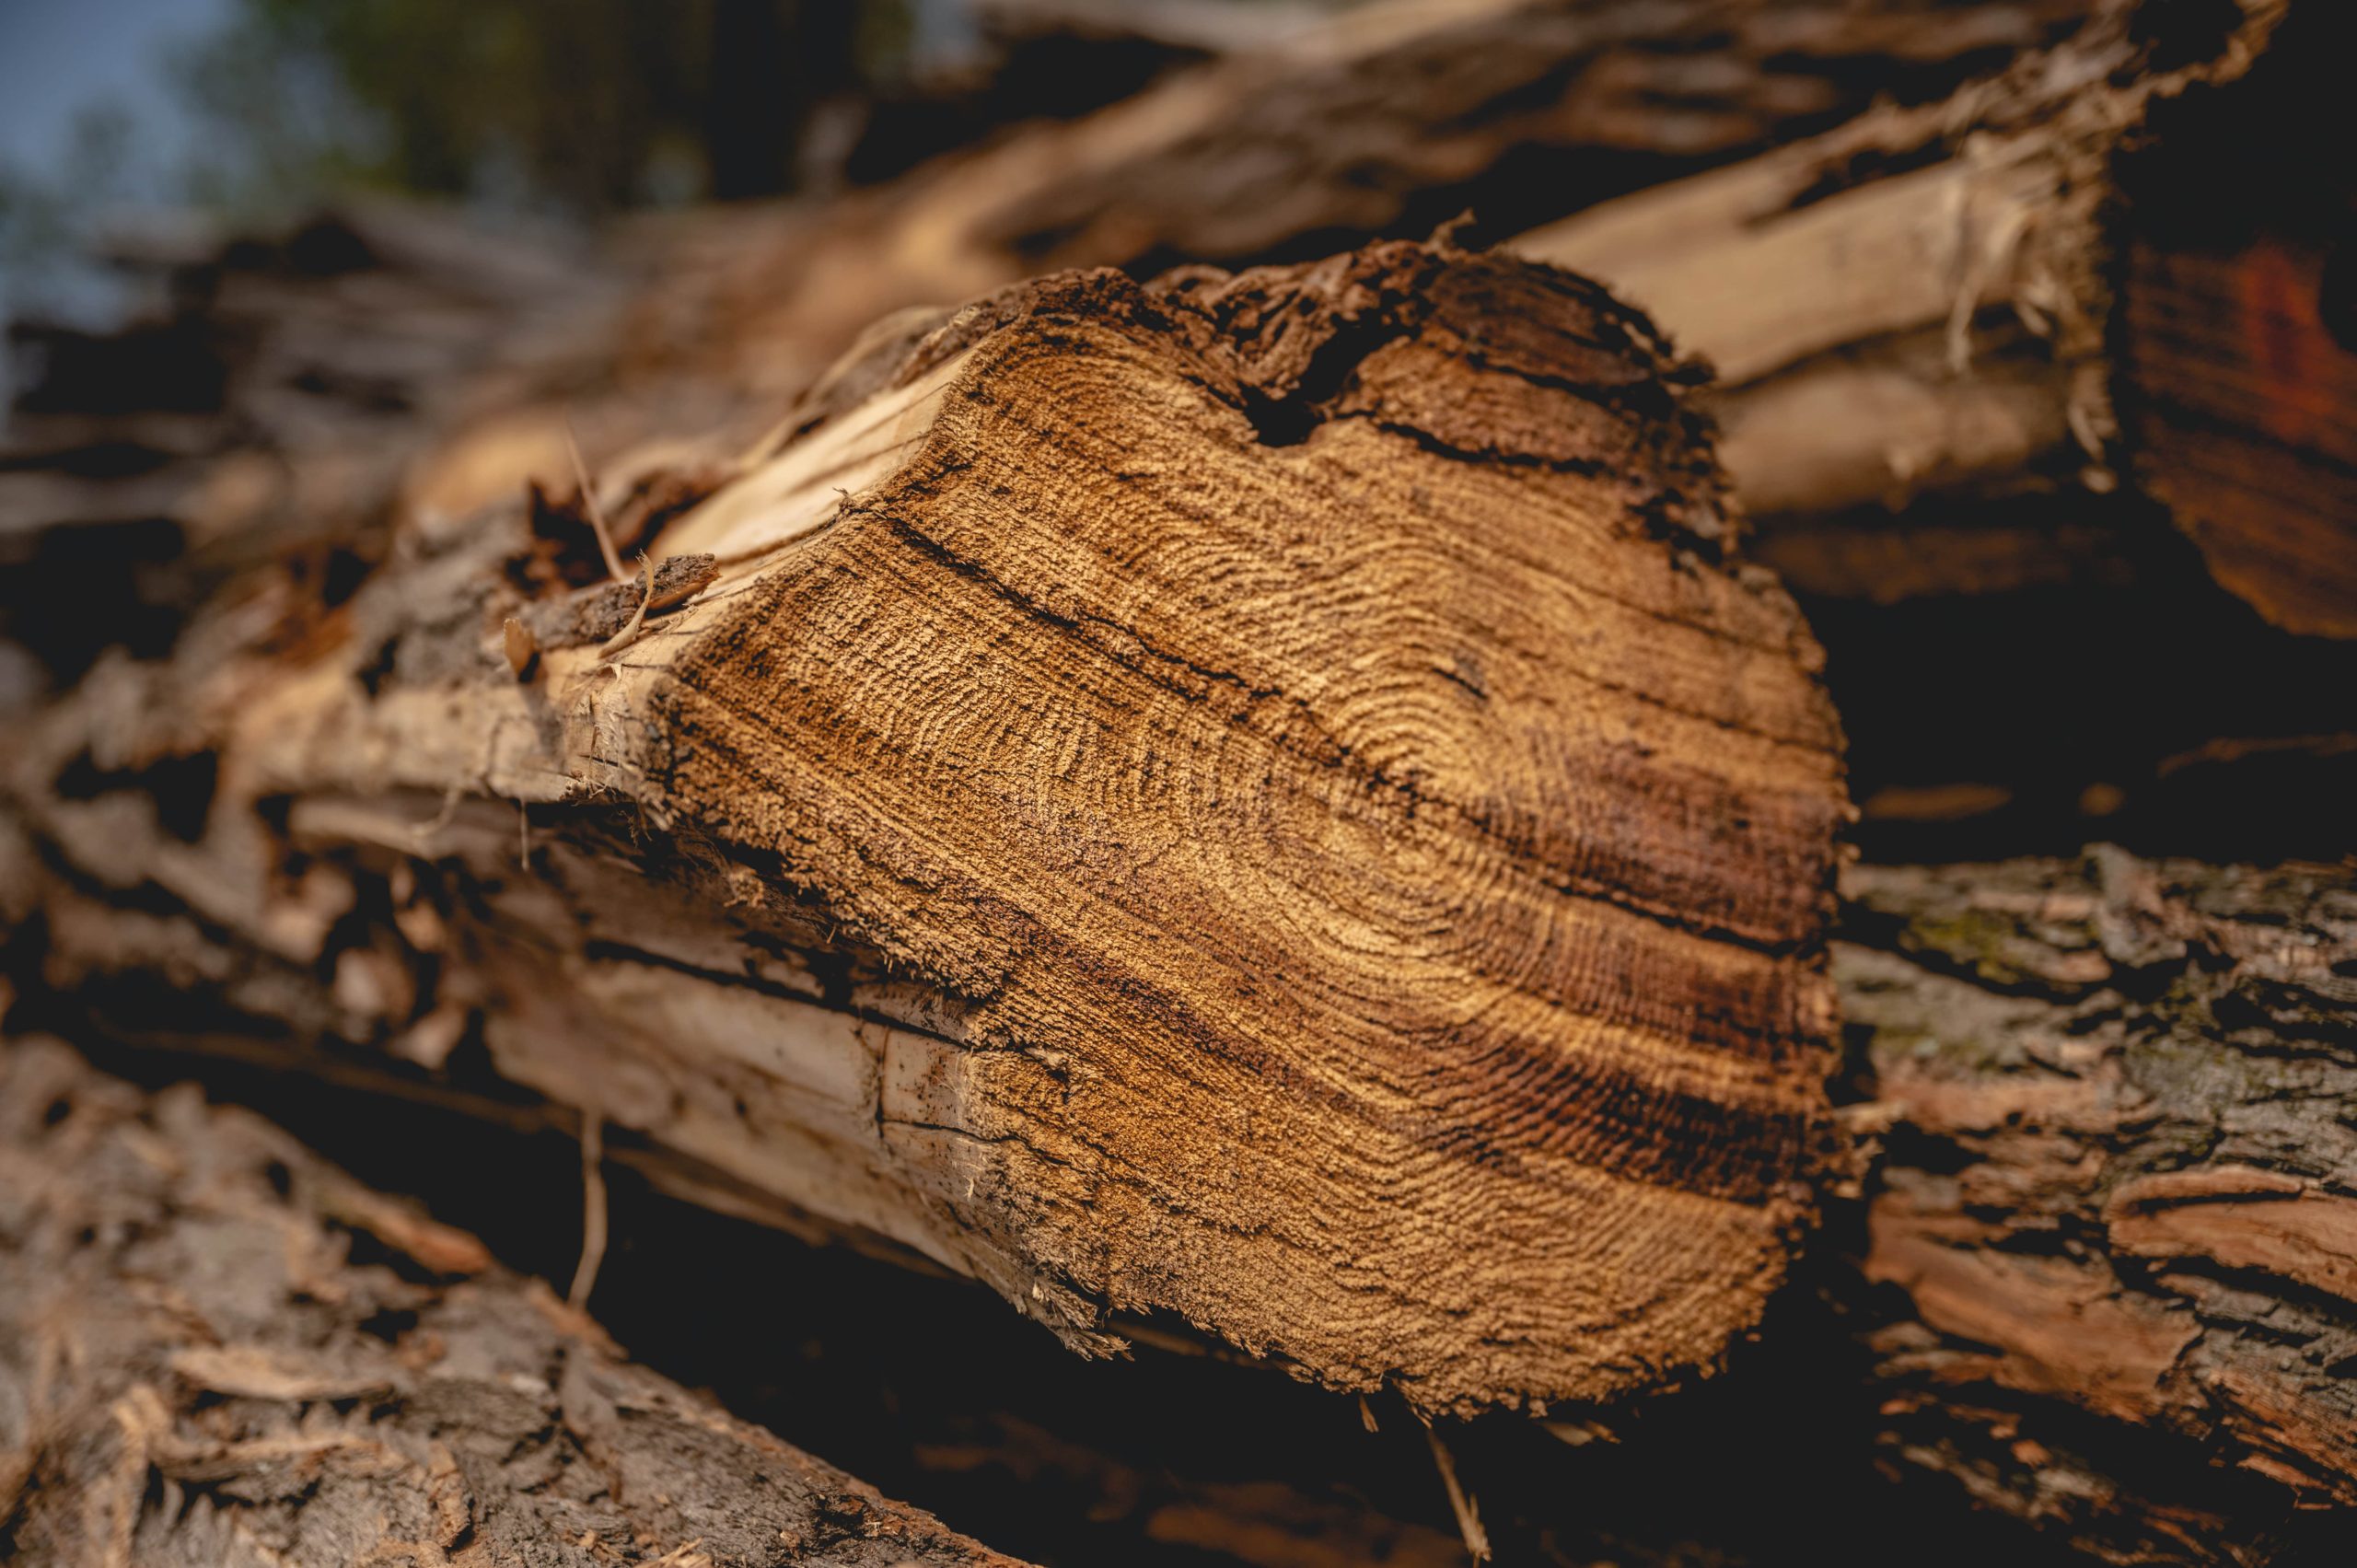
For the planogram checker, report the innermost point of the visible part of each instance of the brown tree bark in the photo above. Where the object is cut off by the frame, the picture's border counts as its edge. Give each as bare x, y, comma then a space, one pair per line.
196, 1367
1260, 800
2117, 1106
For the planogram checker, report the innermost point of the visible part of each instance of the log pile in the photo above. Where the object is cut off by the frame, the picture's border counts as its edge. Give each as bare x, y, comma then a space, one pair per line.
1144, 723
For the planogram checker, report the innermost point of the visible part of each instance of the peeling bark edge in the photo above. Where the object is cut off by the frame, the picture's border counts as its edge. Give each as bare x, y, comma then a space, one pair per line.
2117, 1105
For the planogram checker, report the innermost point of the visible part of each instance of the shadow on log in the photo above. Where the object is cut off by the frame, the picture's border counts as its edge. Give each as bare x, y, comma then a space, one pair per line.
216, 1349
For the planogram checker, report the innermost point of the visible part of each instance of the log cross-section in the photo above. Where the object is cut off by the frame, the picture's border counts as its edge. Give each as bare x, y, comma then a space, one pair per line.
1260, 801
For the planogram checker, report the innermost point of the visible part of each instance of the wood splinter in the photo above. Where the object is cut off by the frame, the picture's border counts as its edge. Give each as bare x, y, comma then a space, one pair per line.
597, 515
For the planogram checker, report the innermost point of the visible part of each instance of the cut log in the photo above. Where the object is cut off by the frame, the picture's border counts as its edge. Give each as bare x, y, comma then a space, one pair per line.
2118, 1103
196, 1367
2238, 327
1258, 800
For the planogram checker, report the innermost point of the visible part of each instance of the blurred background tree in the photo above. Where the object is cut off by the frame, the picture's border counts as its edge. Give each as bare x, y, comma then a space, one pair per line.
572, 106
257, 112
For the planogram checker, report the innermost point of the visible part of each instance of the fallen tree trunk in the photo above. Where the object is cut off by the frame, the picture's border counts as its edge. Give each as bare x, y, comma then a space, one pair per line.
2117, 1103
2101, 1291
1376, 122
1918, 299
1963, 297
194, 1367
1258, 800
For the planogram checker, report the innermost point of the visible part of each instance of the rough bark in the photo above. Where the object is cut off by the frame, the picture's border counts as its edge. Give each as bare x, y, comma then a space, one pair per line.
197, 1365
1255, 799
2118, 1108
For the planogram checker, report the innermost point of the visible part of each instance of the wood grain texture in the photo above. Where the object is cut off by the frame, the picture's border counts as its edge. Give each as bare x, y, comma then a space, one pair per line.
216, 1349
1257, 800
2238, 327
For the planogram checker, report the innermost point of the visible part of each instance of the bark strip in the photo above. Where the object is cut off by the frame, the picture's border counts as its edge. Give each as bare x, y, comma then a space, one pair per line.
2117, 1113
